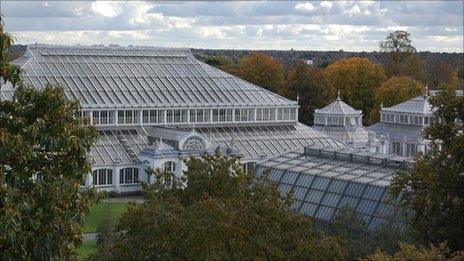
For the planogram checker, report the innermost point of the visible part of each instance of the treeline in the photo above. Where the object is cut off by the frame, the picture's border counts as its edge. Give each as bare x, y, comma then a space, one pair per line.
367, 81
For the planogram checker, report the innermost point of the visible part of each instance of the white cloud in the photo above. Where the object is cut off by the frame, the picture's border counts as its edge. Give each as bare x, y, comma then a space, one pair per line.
107, 9
353, 10
327, 25
446, 39
326, 4
212, 32
305, 7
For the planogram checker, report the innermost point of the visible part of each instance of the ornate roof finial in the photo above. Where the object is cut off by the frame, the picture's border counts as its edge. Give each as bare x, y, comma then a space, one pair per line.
298, 99
338, 97
381, 105
426, 91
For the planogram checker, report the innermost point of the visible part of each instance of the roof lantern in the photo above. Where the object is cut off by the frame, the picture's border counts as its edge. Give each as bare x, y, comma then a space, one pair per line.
338, 113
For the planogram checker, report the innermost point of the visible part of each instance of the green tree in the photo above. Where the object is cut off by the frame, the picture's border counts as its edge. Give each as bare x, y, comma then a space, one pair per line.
395, 90
261, 70
223, 213
43, 159
412, 252
360, 241
221, 62
357, 79
310, 86
9, 72
434, 189
402, 56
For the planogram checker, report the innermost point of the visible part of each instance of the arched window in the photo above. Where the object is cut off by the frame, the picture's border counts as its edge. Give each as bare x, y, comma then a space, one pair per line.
169, 166
129, 176
193, 143
102, 177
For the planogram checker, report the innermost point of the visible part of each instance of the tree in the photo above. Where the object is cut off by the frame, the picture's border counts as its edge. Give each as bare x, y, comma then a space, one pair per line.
434, 189
357, 79
43, 159
220, 62
9, 72
261, 70
411, 252
360, 241
439, 72
395, 90
223, 213
402, 56
310, 86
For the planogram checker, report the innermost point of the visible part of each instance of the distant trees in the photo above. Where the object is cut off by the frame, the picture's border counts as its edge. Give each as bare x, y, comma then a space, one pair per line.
402, 56
439, 72
310, 86
43, 159
395, 90
261, 70
357, 79
434, 189
223, 213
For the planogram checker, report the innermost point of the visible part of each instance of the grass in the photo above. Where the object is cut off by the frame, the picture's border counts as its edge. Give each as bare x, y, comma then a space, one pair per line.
97, 213
87, 248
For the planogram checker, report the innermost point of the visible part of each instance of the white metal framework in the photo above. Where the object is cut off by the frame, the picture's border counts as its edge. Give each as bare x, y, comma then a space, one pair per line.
130, 92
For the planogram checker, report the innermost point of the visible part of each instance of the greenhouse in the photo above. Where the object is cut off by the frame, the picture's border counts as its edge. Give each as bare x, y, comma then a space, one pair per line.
134, 95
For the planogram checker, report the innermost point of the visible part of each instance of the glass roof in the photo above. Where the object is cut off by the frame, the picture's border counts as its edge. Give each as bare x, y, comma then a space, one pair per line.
323, 185
357, 135
417, 105
138, 77
253, 143
258, 142
399, 132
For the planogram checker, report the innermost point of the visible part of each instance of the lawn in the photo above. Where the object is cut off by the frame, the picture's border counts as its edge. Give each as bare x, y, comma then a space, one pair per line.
98, 211
87, 248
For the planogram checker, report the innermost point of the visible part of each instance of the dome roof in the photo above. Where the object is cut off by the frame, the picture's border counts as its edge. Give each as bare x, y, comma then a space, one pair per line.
418, 105
338, 107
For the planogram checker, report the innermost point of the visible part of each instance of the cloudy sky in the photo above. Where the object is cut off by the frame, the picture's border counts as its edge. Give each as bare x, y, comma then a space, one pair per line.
303, 25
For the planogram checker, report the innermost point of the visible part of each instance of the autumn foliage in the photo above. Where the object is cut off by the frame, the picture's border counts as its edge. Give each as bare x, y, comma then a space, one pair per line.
261, 70
223, 214
358, 80
394, 91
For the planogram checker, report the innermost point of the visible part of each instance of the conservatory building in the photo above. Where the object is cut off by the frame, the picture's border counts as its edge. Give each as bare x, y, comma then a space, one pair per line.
153, 107
341, 122
401, 126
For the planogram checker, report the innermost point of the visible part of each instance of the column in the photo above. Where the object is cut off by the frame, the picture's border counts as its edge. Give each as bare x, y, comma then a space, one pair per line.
165, 116
405, 151
88, 180
116, 184
296, 113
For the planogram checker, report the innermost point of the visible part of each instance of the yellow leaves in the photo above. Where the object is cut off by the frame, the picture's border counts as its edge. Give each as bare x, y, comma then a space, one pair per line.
397, 89
262, 70
357, 79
